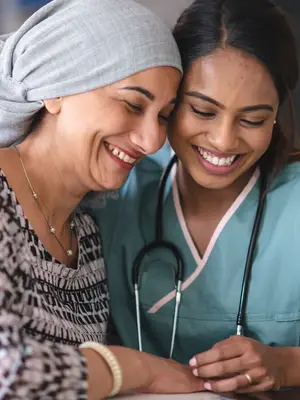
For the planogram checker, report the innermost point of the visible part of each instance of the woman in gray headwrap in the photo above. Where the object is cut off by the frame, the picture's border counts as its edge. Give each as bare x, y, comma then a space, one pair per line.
90, 84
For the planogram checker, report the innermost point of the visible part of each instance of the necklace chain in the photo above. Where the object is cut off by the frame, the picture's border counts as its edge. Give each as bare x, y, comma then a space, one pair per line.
52, 230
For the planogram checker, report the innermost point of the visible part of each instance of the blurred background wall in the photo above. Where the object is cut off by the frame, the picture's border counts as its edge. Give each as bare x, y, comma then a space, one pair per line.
14, 12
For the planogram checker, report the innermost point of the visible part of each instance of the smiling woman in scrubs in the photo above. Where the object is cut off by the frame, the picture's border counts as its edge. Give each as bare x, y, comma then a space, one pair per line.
240, 66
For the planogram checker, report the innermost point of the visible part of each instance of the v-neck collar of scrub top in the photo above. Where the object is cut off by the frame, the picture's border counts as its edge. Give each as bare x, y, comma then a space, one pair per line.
172, 205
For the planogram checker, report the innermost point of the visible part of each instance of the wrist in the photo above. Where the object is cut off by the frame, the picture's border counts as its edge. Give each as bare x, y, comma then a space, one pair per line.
111, 361
288, 361
144, 366
136, 368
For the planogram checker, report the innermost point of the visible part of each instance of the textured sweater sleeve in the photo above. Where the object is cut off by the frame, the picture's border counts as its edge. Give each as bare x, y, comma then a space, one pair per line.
29, 369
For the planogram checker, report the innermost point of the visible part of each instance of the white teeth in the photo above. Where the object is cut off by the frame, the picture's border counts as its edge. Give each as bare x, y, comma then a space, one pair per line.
121, 154
213, 159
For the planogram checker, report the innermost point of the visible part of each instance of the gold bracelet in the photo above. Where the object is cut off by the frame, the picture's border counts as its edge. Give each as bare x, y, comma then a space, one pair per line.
111, 361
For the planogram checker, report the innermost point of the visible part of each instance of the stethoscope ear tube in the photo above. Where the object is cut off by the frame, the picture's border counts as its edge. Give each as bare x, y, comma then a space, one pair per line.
240, 321
179, 275
159, 243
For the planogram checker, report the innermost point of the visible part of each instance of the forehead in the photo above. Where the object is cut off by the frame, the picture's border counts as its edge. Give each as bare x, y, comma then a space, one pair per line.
233, 78
160, 81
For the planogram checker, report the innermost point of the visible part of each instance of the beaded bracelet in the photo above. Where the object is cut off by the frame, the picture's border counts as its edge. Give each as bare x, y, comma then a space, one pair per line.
111, 361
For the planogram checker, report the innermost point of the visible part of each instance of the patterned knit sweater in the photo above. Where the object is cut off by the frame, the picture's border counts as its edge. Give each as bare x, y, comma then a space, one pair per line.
46, 308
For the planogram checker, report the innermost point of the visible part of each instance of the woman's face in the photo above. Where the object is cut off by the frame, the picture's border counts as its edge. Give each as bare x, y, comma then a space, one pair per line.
103, 133
225, 117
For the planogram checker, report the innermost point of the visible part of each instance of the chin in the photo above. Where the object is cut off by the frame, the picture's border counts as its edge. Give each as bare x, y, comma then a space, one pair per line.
113, 185
215, 182
110, 181
215, 185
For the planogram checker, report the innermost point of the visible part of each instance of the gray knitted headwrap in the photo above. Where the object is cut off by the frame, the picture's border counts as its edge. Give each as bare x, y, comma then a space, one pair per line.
73, 46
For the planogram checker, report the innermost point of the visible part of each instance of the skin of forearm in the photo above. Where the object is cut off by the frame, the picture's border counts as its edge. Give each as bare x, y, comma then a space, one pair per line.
289, 361
135, 372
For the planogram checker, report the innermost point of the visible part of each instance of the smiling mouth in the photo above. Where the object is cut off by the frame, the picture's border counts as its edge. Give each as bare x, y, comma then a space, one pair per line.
215, 160
120, 154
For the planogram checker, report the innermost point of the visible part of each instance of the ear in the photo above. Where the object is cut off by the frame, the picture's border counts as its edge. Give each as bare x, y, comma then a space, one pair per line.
53, 106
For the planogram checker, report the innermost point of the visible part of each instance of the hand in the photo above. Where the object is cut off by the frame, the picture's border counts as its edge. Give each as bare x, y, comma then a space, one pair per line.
239, 364
168, 376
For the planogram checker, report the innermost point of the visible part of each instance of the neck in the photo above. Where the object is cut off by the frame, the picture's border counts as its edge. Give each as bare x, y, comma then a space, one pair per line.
50, 176
195, 197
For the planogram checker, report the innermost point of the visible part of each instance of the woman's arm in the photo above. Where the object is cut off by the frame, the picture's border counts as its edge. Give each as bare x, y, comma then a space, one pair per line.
141, 372
30, 369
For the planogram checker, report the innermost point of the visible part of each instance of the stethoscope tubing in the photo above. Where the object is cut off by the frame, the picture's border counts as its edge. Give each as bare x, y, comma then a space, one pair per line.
159, 242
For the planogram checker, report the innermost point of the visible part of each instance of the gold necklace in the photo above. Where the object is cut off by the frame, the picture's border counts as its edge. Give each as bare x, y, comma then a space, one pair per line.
52, 230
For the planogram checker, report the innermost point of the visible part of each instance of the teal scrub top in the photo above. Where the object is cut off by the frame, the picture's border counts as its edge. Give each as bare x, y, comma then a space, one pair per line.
212, 284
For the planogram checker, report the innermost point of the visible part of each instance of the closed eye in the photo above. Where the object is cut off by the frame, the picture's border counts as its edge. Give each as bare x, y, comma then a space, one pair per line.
135, 107
202, 113
165, 118
253, 123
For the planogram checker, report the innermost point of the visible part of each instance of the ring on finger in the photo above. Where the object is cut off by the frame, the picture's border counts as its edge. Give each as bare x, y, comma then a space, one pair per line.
249, 379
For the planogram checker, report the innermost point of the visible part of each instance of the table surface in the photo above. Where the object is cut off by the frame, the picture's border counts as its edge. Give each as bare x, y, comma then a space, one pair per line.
281, 395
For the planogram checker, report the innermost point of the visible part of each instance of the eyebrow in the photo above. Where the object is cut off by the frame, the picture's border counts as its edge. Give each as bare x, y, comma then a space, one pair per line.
150, 96
257, 107
141, 90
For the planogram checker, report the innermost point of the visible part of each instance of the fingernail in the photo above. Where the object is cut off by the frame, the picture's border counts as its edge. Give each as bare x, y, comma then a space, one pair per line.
193, 362
195, 372
207, 386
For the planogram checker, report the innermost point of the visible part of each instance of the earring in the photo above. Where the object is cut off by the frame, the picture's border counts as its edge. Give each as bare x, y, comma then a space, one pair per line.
275, 122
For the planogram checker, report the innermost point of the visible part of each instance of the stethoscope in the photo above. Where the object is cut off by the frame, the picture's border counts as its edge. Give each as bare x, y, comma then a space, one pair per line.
160, 243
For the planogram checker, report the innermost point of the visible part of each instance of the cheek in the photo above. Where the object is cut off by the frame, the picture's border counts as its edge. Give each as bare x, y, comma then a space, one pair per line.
259, 141
89, 121
78, 121
184, 125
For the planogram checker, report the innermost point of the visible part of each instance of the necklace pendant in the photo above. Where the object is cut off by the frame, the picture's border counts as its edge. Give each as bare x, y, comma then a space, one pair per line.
52, 230
69, 253
35, 196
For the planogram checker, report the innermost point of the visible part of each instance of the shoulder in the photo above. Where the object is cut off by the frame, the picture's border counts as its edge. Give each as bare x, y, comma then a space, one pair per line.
288, 178
11, 235
284, 193
7, 197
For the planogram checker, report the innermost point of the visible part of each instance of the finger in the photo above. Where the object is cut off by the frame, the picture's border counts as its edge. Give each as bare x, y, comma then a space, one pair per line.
238, 382
218, 353
221, 369
264, 386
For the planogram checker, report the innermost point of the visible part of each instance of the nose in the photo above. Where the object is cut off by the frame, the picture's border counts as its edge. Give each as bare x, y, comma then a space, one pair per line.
224, 135
149, 136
